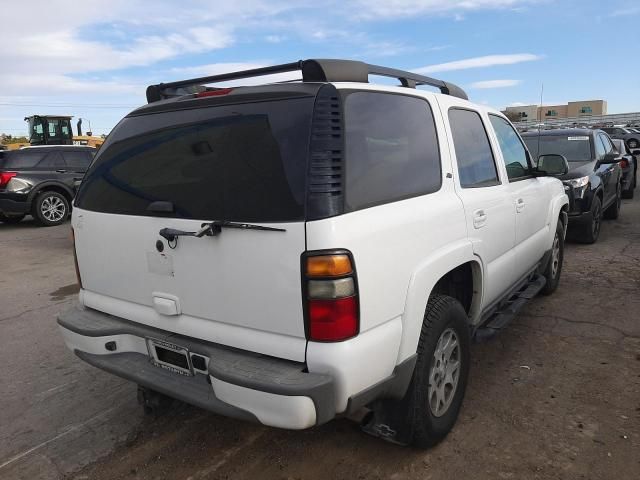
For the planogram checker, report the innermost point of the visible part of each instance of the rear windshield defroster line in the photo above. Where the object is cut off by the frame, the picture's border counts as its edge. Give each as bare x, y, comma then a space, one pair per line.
244, 163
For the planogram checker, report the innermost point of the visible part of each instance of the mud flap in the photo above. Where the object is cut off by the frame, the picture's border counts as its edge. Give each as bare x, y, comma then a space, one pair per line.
389, 420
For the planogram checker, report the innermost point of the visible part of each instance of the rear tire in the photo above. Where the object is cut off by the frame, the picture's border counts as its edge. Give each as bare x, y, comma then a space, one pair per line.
554, 268
440, 376
629, 193
11, 219
613, 212
50, 208
633, 143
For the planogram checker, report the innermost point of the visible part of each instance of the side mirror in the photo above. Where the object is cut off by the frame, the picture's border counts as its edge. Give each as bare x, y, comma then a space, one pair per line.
610, 158
553, 164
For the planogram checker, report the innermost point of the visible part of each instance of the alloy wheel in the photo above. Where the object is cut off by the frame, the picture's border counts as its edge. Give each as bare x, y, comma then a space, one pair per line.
53, 208
444, 373
555, 256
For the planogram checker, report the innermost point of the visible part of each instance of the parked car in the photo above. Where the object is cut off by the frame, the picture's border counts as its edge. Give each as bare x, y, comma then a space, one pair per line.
628, 163
594, 177
290, 253
632, 139
41, 181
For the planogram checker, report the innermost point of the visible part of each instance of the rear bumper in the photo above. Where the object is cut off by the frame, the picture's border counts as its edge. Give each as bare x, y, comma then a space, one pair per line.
11, 206
239, 384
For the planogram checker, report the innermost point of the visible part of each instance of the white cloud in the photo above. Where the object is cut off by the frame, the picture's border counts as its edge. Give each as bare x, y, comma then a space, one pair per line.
479, 62
626, 12
410, 8
495, 84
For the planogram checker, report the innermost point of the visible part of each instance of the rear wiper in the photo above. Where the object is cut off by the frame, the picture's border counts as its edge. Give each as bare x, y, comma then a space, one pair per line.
213, 229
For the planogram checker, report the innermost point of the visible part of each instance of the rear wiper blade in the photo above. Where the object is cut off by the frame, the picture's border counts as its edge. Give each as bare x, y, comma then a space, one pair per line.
212, 229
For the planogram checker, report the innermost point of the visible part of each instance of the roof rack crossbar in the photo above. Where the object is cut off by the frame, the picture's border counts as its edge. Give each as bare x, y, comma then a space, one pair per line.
313, 70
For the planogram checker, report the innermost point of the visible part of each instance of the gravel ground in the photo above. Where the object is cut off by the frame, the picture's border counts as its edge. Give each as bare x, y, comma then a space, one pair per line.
557, 395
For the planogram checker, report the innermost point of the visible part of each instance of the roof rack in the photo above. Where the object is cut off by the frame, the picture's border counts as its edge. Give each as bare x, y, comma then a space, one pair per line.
316, 70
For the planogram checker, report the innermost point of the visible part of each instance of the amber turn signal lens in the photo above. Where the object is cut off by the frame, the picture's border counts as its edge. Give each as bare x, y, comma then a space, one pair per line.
328, 266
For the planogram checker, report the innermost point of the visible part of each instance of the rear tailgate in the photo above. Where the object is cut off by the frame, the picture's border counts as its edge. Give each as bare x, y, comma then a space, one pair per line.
243, 163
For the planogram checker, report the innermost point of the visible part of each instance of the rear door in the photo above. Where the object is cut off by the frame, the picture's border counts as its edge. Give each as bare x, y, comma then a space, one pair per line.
241, 163
607, 171
77, 162
489, 209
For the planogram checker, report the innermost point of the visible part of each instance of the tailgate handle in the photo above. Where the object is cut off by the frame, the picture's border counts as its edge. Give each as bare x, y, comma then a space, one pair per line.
166, 304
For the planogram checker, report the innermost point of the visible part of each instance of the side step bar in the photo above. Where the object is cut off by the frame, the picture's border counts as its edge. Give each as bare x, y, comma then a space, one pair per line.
509, 308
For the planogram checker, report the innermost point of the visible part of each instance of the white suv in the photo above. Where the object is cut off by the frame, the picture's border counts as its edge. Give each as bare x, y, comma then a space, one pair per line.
289, 253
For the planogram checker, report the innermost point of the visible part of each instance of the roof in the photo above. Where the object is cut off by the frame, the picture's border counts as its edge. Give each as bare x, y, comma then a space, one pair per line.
56, 146
560, 131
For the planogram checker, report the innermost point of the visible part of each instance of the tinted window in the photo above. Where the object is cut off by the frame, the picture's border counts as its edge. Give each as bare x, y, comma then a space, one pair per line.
391, 149
22, 158
575, 148
243, 163
476, 165
79, 159
51, 161
513, 151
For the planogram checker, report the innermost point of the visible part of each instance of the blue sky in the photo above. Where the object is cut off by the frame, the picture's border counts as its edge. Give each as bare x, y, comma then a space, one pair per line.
94, 58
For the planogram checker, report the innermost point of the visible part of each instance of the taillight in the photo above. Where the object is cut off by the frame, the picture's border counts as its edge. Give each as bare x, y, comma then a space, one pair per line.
5, 177
624, 163
331, 296
75, 258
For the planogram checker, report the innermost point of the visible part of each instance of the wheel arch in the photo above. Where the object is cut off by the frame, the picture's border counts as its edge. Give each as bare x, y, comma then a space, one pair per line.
51, 186
445, 270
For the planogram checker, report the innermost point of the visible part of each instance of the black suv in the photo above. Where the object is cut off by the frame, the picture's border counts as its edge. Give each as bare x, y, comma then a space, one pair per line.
41, 181
594, 180
631, 138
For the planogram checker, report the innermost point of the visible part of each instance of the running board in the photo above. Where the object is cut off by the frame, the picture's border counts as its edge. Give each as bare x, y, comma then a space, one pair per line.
509, 308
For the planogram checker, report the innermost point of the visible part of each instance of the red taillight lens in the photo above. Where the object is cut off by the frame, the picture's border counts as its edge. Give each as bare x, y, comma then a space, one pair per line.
333, 320
214, 93
624, 163
331, 291
5, 177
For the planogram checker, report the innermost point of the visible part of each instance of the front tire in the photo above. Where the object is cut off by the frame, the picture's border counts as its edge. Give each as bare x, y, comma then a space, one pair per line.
591, 232
439, 380
50, 209
633, 143
554, 268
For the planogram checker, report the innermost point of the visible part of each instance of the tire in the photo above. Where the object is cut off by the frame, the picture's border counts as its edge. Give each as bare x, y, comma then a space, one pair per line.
11, 219
629, 193
431, 421
633, 143
613, 212
50, 208
591, 232
554, 268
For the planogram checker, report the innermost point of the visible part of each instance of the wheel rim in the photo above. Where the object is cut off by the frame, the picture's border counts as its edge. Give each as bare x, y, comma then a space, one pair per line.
596, 222
444, 373
619, 200
53, 208
633, 144
555, 256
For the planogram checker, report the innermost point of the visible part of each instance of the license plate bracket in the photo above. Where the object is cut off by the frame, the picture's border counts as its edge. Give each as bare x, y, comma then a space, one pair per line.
170, 356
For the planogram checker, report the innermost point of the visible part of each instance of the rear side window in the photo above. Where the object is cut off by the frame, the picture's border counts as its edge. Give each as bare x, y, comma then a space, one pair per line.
476, 165
242, 163
391, 149
22, 159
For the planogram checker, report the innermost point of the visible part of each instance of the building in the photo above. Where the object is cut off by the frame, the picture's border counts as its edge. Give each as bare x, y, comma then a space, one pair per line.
582, 108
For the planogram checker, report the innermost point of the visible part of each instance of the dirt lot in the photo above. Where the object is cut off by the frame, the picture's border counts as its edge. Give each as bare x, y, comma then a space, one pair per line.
555, 396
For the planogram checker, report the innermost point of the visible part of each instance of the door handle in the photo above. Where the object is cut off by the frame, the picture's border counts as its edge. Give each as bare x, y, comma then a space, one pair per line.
479, 218
61, 171
519, 205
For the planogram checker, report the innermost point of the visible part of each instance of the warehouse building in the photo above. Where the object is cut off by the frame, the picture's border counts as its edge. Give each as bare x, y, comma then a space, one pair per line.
582, 108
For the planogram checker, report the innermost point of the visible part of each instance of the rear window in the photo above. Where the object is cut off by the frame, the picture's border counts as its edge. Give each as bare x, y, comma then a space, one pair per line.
391, 149
17, 159
242, 163
575, 148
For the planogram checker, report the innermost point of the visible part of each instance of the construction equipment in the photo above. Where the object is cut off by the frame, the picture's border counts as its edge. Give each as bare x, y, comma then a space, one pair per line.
56, 130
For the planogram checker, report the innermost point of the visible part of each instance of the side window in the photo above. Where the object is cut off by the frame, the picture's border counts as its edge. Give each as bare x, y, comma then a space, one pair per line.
391, 149
608, 147
513, 151
78, 159
476, 165
52, 161
600, 148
